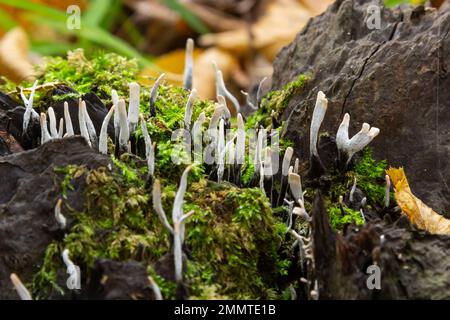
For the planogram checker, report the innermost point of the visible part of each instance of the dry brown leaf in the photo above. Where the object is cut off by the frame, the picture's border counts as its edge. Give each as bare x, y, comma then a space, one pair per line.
204, 73
279, 24
418, 212
14, 61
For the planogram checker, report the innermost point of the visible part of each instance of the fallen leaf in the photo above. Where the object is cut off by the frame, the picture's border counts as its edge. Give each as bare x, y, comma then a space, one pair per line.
279, 24
204, 72
14, 60
418, 212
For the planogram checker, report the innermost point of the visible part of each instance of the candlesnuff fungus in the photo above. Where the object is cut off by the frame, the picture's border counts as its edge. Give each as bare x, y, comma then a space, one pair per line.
188, 109
358, 142
62, 222
133, 107
103, 140
115, 102
45, 135
301, 211
286, 164
68, 120
89, 124
387, 196
223, 102
287, 161
221, 162
304, 250
82, 122
72, 270
295, 183
197, 135
220, 144
52, 120
124, 134
22, 291
178, 219
155, 288
221, 90
362, 214
157, 205
240, 140
188, 64
154, 94
255, 105
318, 115
352, 191
290, 212
61, 128
149, 148
259, 91
296, 165
177, 210
30, 113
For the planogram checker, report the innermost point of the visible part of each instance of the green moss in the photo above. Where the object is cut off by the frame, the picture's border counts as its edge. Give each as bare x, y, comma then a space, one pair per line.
99, 74
370, 177
277, 101
339, 219
233, 239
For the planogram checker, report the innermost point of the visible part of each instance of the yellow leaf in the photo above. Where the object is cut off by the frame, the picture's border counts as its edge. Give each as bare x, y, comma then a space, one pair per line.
418, 212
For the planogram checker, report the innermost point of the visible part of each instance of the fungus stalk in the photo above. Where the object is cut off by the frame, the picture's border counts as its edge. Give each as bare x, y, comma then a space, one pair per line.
22, 291
290, 212
287, 158
68, 120
62, 222
103, 140
317, 118
387, 196
155, 289
30, 113
221, 89
359, 141
124, 134
178, 240
45, 135
352, 191
197, 137
52, 120
115, 102
154, 95
61, 128
74, 280
178, 219
89, 124
188, 64
149, 148
157, 206
189, 109
295, 184
82, 122
133, 107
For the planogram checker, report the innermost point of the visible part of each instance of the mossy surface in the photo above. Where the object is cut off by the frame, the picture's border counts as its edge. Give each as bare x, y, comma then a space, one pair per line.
276, 101
235, 244
99, 74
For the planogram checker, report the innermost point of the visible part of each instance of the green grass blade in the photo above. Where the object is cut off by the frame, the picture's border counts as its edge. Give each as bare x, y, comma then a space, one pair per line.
6, 21
37, 8
96, 12
191, 19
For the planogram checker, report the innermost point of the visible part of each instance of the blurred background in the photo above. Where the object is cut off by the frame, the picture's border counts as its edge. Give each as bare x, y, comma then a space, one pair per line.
242, 36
